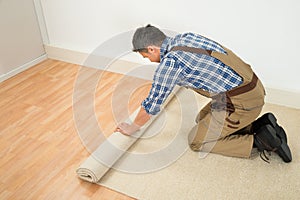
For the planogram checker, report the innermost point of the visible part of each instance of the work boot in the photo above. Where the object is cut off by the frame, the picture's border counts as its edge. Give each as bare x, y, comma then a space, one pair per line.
269, 118
266, 139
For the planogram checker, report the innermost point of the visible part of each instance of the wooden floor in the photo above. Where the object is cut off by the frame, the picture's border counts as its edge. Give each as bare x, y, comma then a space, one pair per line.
39, 145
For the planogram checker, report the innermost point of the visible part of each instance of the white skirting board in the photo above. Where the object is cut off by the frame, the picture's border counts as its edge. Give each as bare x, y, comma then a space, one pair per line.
275, 96
22, 68
97, 60
282, 97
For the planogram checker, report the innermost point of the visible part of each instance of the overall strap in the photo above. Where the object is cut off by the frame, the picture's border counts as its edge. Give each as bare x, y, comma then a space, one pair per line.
191, 50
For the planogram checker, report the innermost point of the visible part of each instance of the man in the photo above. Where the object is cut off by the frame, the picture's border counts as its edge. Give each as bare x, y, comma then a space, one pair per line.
227, 125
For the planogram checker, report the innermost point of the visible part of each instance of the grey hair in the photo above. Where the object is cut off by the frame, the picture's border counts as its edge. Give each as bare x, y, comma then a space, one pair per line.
146, 36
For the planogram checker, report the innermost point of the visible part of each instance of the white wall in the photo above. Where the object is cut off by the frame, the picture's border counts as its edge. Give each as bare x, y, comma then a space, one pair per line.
265, 33
21, 43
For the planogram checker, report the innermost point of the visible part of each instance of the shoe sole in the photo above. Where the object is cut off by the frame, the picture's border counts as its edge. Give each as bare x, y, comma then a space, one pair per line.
271, 119
266, 138
284, 152
281, 133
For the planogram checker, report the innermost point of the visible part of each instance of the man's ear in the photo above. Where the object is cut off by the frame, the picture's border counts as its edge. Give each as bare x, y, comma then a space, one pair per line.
152, 48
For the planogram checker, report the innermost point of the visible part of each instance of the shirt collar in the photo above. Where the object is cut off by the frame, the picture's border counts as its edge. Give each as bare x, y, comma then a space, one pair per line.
165, 47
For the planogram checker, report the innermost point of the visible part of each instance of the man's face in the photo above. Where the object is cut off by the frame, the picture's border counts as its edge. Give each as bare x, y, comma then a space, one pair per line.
153, 54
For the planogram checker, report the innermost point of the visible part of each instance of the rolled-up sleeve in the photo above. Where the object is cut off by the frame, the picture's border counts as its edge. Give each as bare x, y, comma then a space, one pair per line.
166, 76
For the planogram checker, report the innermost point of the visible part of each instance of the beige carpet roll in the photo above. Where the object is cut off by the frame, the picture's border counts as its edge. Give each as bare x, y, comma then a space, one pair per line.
108, 152
111, 150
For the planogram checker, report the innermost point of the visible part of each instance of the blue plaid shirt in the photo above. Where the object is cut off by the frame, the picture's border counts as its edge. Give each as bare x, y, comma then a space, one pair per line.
189, 70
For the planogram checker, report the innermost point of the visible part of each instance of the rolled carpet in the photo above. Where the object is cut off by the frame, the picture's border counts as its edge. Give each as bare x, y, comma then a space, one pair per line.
111, 150
108, 152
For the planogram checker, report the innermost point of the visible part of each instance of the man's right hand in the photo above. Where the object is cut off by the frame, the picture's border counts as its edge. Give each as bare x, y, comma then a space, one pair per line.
127, 129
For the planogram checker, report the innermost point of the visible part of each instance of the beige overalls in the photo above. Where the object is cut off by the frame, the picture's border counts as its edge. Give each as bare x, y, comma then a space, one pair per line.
224, 124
